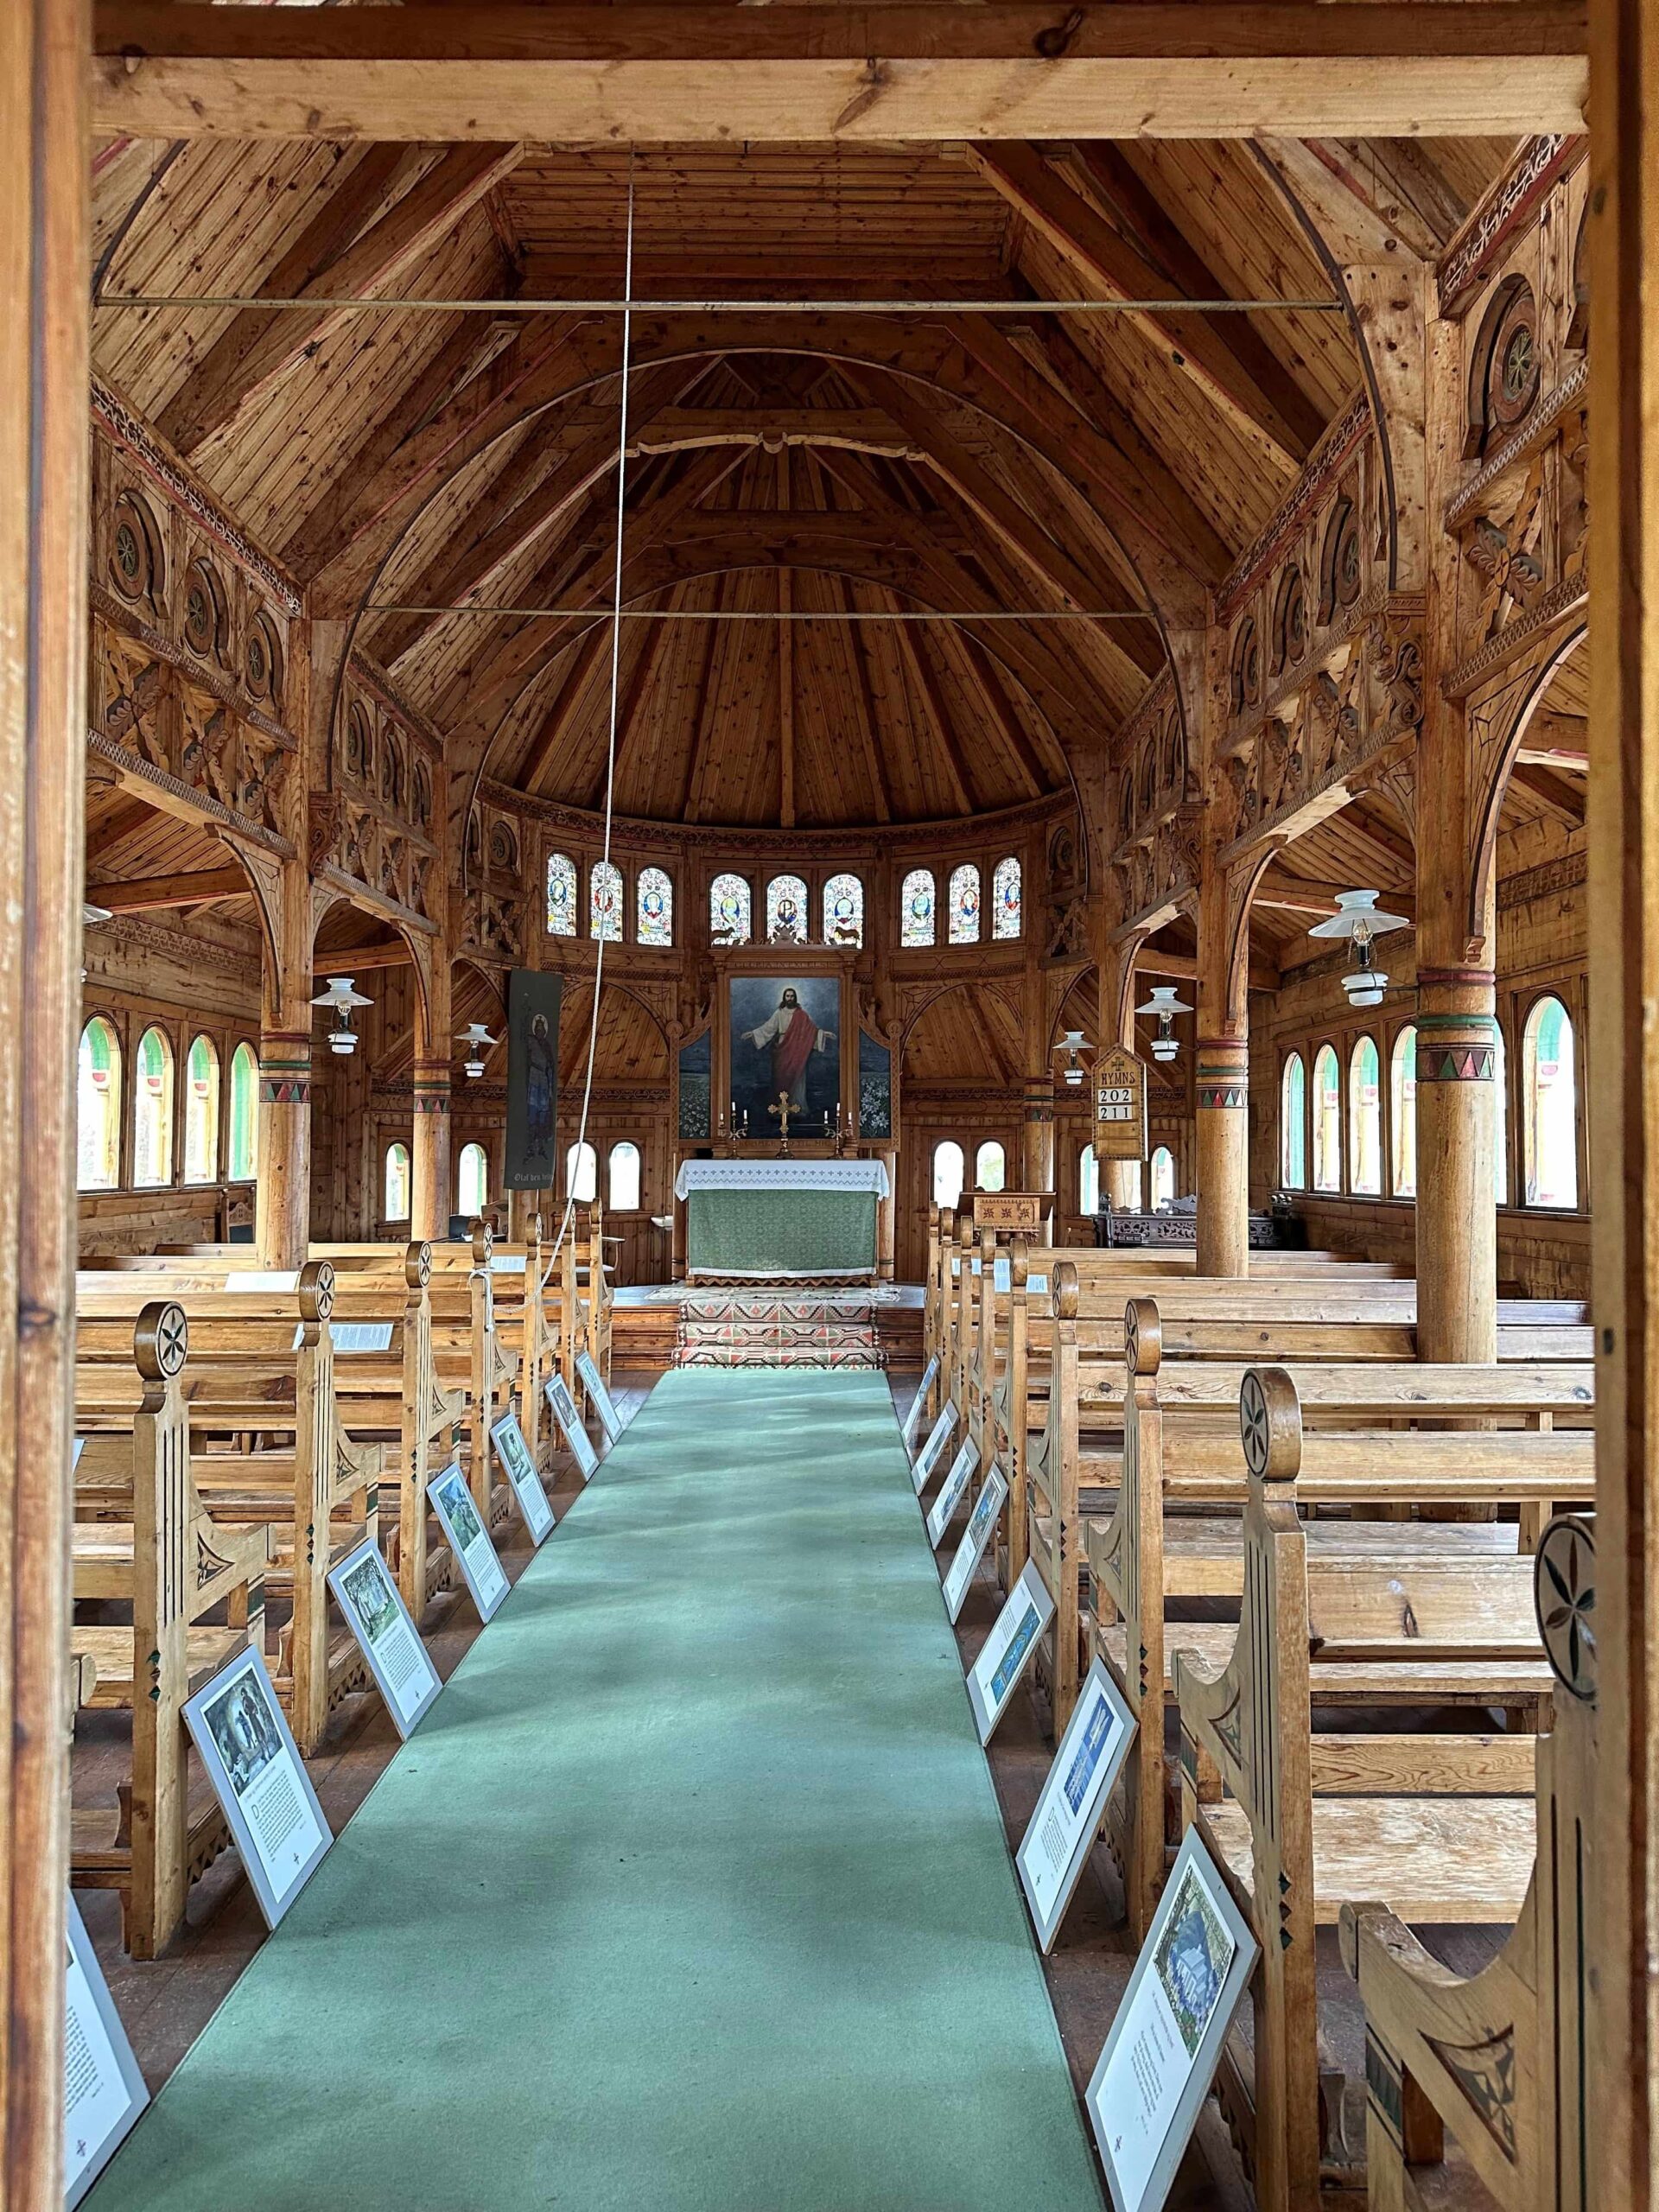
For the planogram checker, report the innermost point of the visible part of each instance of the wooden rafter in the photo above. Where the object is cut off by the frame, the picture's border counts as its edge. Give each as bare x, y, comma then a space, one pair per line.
144, 894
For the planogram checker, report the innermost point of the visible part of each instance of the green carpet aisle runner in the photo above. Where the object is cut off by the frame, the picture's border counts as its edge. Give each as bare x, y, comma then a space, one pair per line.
690, 1892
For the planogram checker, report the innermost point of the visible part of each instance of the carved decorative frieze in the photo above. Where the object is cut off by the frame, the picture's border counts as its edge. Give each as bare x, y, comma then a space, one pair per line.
1500, 215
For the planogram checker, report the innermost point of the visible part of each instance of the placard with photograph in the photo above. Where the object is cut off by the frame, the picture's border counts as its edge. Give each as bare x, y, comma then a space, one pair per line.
951, 1492
378, 1619
918, 1404
598, 1397
928, 1458
470, 1539
104, 2091
982, 1521
259, 1778
1072, 1802
1008, 1649
1161, 2054
578, 1443
520, 1470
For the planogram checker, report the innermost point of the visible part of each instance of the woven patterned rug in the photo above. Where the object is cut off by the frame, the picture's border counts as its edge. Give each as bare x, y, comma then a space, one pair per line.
763, 1328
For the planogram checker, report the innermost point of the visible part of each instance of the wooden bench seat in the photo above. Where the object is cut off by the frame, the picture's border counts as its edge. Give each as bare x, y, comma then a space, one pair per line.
1440, 1866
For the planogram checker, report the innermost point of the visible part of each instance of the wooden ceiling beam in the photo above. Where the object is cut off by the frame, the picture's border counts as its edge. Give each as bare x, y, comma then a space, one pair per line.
677, 74
362, 959
913, 646
1029, 766
262, 342
1562, 799
1297, 895
631, 708
864, 714
147, 894
595, 648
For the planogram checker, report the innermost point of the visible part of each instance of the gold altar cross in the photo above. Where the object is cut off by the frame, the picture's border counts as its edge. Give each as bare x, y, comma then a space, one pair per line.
781, 1113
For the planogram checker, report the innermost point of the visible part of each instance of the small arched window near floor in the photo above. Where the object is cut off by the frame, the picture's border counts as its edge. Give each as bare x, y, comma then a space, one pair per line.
1366, 1119
730, 904
97, 1096
397, 1182
989, 1165
561, 895
1005, 898
964, 903
786, 909
1549, 1107
605, 902
1163, 1178
623, 1179
1088, 1181
843, 910
947, 1172
202, 1112
1293, 1124
1327, 1119
654, 895
244, 1110
472, 1181
1131, 1186
1402, 1114
152, 1113
916, 908
581, 1173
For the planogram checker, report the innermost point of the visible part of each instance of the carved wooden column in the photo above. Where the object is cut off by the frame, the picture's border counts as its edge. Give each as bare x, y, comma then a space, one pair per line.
432, 1195
1114, 1025
1223, 1048
282, 1198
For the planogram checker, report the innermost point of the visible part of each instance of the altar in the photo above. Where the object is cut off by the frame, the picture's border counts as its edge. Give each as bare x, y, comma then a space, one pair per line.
781, 1220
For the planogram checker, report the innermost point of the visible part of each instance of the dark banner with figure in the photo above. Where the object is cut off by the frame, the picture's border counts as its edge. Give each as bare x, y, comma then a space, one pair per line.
532, 1079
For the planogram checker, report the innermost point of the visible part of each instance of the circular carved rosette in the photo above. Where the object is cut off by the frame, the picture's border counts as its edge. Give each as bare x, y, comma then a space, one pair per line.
1270, 1424
1132, 1337
160, 1341
1564, 1590
1253, 1423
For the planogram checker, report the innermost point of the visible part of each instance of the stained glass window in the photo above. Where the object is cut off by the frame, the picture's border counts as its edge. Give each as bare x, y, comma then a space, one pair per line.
964, 903
1293, 1124
916, 908
1162, 1178
655, 894
561, 895
201, 1113
1403, 1112
605, 902
1549, 1107
1327, 1120
1364, 1119
152, 1113
244, 1107
98, 1108
1005, 898
397, 1181
729, 908
843, 910
472, 1181
786, 909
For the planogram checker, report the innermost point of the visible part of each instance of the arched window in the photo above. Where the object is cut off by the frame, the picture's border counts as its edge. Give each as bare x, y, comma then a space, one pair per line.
1364, 1119
1549, 1107
1005, 898
581, 1173
605, 902
561, 895
1293, 1124
98, 1100
202, 1112
964, 903
654, 898
843, 910
472, 1181
1163, 1177
786, 909
947, 1172
623, 1179
1327, 1120
989, 1164
152, 1113
397, 1182
916, 908
244, 1110
1130, 1170
1402, 1114
1088, 1181
729, 912
1500, 1117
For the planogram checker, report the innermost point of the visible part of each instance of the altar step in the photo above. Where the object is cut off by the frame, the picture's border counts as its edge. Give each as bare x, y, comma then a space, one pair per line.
761, 1328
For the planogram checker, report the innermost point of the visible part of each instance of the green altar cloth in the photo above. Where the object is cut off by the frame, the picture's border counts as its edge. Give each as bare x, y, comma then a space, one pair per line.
781, 1232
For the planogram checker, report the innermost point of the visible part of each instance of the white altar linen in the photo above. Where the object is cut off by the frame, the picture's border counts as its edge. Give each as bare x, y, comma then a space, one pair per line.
781, 1175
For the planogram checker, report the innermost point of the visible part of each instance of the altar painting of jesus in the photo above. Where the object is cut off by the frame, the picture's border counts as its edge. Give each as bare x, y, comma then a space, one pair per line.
783, 1041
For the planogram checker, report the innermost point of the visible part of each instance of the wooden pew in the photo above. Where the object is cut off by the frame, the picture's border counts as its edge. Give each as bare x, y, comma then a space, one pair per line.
1300, 1822
175, 1563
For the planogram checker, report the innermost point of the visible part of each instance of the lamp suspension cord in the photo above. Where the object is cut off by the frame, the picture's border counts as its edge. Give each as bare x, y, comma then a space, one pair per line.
574, 1159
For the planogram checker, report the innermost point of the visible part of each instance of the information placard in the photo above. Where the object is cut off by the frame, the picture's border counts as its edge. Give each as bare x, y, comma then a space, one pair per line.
1010, 1213
260, 1780
470, 1539
598, 1397
1008, 1649
918, 1403
992, 1498
1072, 1803
1161, 2054
1120, 1104
520, 1470
104, 2091
378, 1619
577, 1441
928, 1458
951, 1492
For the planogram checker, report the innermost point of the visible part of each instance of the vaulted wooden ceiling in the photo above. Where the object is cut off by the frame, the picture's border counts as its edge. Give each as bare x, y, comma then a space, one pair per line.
441, 476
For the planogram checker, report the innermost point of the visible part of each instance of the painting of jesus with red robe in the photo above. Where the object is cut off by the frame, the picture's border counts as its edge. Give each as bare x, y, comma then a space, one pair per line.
784, 1039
